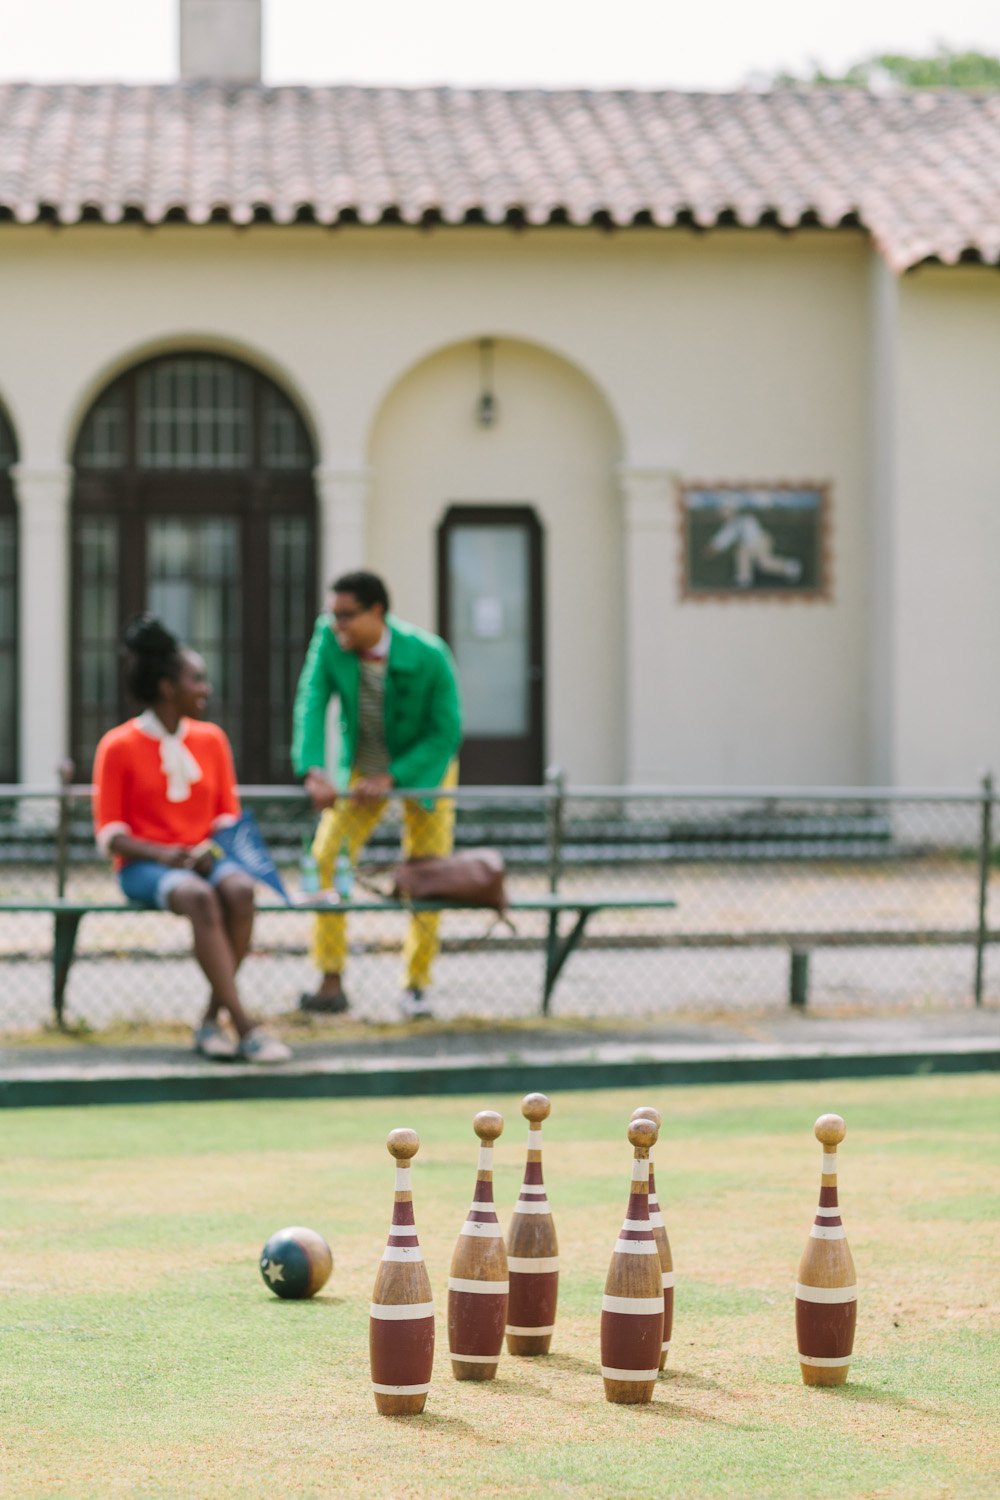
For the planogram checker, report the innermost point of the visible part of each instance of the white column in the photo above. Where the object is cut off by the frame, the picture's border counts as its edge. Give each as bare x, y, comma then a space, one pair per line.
650, 526
882, 529
343, 503
43, 497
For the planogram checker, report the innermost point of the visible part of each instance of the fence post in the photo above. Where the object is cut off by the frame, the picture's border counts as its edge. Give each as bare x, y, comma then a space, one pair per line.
985, 857
555, 780
66, 769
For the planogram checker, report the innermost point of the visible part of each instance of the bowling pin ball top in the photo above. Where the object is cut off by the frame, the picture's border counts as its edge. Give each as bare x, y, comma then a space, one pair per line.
830, 1129
296, 1262
647, 1112
488, 1124
642, 1133
535, 1107
402, 1143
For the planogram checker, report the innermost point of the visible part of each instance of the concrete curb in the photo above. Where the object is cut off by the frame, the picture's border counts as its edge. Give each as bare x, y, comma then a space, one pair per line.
332, 1078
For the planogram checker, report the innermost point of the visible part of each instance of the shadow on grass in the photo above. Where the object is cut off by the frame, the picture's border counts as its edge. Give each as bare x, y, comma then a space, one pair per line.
567, 1362
304, 1304
859, 1393
685, 1379
451, 1427
660, 1410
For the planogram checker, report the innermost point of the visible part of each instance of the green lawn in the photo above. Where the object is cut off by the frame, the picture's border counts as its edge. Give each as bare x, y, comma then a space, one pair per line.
143, 1356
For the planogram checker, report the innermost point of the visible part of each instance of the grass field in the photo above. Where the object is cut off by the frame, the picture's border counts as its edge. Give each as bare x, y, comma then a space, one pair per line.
143, 1356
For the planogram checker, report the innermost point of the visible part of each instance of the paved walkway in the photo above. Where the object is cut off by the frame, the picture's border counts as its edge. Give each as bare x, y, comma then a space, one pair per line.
432, 1060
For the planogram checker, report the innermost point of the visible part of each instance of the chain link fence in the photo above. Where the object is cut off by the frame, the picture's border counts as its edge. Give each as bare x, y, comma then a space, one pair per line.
835, 898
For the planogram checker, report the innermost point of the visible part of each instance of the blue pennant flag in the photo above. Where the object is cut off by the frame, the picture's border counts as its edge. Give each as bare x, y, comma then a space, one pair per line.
241, 841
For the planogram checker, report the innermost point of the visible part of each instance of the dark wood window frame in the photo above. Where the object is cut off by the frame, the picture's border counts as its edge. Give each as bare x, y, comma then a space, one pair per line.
254, 495
467, 514
8, 509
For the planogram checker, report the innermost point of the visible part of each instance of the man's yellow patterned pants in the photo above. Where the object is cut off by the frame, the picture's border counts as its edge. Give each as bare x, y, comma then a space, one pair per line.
426, 831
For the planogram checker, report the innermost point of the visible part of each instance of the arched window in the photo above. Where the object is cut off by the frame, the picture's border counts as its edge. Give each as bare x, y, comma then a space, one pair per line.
8, 605
194, 498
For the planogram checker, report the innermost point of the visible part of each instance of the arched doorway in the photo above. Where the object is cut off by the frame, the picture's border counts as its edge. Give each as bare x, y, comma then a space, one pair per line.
506, 536
194, 498
8, 604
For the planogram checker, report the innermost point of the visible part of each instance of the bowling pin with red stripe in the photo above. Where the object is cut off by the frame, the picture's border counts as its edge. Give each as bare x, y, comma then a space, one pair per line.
632, 1306
401, 1322
647, 1112
826, 1294
532, 1250
478, 1283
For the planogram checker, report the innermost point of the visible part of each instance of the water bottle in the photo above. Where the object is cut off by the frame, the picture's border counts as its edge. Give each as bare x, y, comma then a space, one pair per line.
343, 874
308, 869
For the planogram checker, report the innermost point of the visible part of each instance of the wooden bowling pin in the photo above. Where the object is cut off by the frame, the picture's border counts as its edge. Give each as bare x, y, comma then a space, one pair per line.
826, 1294
401, 1322
632, 1306
478, 1284
647, 1112
532, 1251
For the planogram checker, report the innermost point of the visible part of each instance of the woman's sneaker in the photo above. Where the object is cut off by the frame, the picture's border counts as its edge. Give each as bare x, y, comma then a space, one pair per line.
211, 1041
258, 1046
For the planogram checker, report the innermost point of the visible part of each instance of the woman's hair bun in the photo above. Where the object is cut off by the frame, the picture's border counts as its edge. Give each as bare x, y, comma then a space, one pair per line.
148, 636
152, 652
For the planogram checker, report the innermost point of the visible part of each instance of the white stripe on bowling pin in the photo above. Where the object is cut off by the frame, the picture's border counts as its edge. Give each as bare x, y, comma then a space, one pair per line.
826, 1293
640, 1305
398, 1312
532, 1265
464, 1284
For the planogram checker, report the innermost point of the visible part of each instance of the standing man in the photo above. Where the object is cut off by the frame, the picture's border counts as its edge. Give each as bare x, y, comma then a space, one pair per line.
401, 725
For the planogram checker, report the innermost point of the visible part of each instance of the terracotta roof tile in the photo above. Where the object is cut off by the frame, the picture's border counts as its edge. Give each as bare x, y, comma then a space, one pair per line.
920, 171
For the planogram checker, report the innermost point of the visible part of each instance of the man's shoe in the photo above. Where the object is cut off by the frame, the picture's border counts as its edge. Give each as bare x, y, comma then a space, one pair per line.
211, 1041
323, 1005
258, 1046
414, 1006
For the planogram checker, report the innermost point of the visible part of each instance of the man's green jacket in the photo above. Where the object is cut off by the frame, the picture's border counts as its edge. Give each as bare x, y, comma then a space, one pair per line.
423, 714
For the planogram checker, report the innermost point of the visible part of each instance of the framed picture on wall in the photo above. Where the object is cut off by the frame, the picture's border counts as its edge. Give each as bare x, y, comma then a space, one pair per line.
743, 541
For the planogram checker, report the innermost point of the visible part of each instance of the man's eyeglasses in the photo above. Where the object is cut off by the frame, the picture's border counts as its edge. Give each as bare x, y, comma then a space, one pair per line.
344, 616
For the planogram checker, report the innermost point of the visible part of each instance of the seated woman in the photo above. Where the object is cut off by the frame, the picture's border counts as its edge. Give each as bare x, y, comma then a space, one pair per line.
164, 782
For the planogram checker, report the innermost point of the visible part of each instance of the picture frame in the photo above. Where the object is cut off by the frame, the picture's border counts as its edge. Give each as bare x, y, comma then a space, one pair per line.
759, 540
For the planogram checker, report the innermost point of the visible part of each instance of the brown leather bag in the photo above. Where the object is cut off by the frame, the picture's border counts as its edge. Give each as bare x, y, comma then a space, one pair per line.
473, 877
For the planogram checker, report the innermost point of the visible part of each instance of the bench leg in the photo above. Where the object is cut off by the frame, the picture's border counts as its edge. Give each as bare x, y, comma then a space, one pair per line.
63, 953
558, 950
798, 978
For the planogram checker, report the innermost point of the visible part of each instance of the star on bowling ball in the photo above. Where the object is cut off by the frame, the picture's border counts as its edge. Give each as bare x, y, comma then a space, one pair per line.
296, 1262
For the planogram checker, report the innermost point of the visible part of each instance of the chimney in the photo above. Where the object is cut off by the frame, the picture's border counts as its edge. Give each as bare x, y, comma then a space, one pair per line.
220, 39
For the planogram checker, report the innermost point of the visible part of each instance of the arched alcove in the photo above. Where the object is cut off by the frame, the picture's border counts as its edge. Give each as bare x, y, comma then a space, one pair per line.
507, 538
8, 604
193, 497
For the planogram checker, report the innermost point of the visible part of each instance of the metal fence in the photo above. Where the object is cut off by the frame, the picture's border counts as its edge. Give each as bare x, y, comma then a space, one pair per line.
831, 897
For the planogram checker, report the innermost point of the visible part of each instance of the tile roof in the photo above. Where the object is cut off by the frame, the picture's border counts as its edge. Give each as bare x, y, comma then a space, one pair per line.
920, 171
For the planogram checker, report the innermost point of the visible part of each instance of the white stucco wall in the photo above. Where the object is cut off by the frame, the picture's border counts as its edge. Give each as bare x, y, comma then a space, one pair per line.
947, 625
729, 356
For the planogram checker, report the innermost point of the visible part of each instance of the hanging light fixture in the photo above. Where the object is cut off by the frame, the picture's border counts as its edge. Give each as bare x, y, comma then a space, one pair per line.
486, 407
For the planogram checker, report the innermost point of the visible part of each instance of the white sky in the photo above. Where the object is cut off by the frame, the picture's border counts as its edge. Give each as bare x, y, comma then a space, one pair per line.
677, 43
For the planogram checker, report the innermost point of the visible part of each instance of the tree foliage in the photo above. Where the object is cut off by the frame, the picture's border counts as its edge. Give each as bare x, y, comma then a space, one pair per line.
887, 71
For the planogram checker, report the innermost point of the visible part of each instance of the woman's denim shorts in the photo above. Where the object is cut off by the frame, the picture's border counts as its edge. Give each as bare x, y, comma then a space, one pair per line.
147, 883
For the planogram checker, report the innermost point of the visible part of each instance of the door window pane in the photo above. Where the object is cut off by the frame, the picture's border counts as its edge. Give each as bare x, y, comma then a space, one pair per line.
291, 623
102, 442
96, 631
488, 591
194, 413
194, 587
286, 443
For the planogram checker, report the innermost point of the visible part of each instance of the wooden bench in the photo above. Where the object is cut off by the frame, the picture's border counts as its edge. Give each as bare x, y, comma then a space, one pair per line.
68, 914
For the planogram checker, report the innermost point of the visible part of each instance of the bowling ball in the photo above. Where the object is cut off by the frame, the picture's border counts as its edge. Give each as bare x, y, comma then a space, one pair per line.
296, 1262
